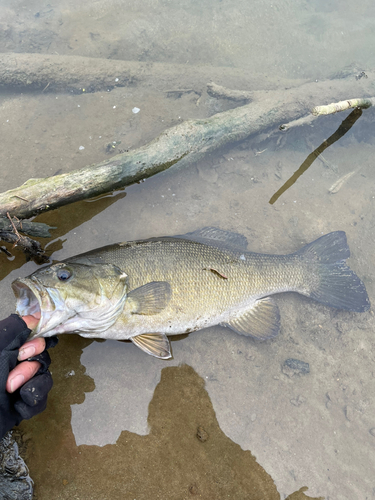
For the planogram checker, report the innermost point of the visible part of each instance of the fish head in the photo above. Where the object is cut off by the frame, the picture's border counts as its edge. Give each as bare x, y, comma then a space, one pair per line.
72, 297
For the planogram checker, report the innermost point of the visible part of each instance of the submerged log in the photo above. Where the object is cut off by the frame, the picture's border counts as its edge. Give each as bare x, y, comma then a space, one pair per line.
180, 146
77, 74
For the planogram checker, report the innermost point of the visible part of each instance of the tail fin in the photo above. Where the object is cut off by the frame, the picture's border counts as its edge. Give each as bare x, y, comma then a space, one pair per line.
338, 286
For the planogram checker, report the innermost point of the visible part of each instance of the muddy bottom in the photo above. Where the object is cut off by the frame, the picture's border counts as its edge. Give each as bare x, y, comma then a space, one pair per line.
185, 455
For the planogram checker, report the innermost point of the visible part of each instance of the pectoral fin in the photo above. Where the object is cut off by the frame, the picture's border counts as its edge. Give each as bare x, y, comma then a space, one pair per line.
151, 298
156, 344
261, 320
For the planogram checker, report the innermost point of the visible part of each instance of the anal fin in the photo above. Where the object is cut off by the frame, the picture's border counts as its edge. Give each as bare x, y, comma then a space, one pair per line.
155, 344
261, 320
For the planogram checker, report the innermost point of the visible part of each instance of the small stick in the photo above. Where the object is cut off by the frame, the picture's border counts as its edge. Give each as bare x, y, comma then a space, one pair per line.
20, 197
14, 229
336, 186
305, 120
335, 107
7, 253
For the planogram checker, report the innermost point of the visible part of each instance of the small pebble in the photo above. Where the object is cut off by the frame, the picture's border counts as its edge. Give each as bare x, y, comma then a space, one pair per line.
193, 490
81, 148
202, 435
26, 437
348, 412
136, 110
293, 367
298, 401
372, 431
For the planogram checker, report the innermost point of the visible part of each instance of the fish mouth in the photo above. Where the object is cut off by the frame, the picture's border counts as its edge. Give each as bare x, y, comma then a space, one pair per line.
57, 314
33, 300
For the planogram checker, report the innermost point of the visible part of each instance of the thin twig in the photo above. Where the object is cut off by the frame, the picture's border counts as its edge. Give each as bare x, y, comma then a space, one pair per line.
14, 229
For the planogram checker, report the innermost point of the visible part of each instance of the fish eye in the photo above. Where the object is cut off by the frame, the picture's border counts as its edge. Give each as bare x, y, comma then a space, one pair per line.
63, 274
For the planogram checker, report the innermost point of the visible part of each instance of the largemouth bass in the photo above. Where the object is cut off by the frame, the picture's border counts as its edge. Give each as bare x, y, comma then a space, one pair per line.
149, 289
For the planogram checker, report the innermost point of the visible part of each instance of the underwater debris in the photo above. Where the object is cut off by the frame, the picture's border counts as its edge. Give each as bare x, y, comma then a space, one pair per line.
15, 482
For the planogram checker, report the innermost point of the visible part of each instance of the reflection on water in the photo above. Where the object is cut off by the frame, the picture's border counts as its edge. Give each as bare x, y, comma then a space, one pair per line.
315, 429
345, 126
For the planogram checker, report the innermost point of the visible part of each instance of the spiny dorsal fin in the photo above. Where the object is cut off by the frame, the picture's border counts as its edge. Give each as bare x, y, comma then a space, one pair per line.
217, 237
151, 298
155, 344
261, 320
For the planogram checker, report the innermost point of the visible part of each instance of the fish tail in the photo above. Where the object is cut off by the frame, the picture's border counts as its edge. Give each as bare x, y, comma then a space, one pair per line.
334, 283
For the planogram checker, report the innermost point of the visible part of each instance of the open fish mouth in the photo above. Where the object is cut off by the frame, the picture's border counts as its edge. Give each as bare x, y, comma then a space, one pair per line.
28, 303
33, 300
60, 312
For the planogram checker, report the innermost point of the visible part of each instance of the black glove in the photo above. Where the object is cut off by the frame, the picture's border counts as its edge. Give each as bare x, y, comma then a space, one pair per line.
31, 398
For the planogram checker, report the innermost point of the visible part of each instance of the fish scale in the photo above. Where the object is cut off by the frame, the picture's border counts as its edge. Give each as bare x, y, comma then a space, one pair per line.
186, 265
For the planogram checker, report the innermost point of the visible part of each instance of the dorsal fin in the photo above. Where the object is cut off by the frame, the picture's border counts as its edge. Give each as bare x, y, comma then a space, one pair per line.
217, 237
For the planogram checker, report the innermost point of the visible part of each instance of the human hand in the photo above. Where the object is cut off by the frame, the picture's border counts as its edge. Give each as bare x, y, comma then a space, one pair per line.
26, 370
31, 377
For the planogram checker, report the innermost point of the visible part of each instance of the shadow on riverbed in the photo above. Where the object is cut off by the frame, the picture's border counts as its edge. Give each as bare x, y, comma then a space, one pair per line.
184, 455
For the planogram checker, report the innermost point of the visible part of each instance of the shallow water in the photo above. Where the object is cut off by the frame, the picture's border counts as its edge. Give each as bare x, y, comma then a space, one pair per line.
121, 424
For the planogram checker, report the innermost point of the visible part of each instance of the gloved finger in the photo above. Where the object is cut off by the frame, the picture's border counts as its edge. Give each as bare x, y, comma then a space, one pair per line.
21, 374
27, 411
44, 359
51, 342
12, 333
31, 348
36, 389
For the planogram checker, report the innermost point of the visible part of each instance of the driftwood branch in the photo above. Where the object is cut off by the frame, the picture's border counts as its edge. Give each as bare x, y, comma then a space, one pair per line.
335, 107
38, 229
180, 145
220, 92
31, 248
329, 109
304, 120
